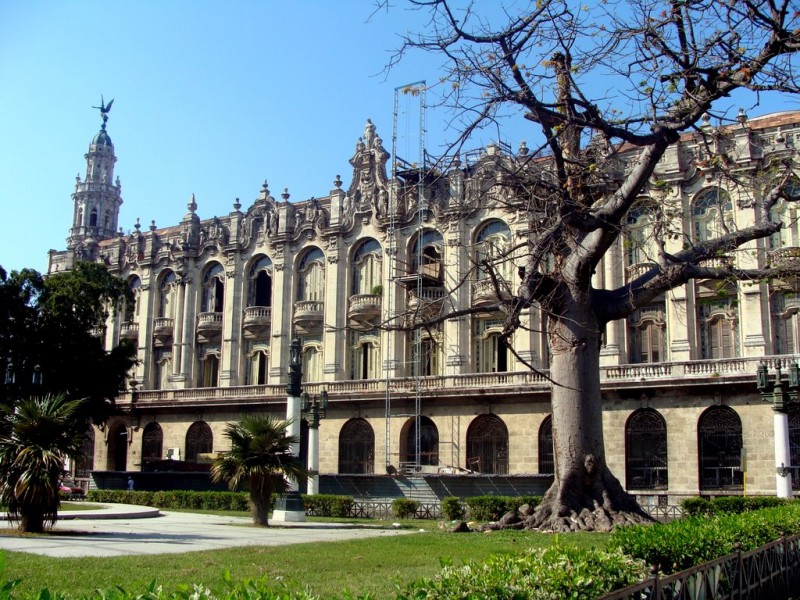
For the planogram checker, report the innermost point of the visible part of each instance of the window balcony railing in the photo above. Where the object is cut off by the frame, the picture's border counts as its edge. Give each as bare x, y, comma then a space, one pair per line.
484, 292
364, 310
636, 270
308, 316
786, 256
257, 321
209, 325
425, 303
163, 328
129, 330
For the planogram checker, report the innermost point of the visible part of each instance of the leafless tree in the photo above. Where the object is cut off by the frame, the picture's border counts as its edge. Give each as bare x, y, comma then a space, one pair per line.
610, 87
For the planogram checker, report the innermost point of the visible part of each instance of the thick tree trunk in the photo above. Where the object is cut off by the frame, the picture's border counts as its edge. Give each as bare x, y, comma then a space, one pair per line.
260, 502
585, 495
31, 521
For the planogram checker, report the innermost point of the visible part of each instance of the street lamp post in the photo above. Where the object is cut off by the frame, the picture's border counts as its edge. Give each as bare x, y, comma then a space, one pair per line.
314, 409
290, 506
780, 394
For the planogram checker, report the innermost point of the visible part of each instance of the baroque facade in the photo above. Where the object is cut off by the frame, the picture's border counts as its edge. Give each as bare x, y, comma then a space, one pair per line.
218, 302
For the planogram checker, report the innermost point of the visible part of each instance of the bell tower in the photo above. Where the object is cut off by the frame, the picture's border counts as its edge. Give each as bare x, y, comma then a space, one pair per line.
97, 198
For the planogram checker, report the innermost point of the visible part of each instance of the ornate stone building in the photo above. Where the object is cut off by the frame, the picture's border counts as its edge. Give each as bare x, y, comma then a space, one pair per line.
219, 300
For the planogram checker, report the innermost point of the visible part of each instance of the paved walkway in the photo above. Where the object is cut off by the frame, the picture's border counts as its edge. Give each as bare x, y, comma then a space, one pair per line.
124, 530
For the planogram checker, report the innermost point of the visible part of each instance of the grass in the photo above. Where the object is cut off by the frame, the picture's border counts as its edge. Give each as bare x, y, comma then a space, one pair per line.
372, 566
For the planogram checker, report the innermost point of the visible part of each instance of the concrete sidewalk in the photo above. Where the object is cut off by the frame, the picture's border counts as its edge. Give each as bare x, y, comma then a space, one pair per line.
122, 530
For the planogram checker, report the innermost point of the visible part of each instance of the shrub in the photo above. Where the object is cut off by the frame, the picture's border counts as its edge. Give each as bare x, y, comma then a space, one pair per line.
687, 542
403, 508
174, 499
453, 509
554, 572
491, 508
696, 507
328, 505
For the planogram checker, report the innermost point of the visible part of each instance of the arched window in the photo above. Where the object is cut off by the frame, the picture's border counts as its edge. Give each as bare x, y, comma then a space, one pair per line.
491, 350
546, 454
209, 369
639, 236
719, 439
199, 440
428, 442
366, 267
214, 289
646, 451
426, 352
162, 368
260, 292
426, 256
152, 443
357, 447
647, 334
712, 214
311, 276
166, 295
718, 323
794, 445
365, 356
786, 212
312, 362
487, 445
492, 245
785, 307
93, 218
131, 311
258, 366
84, 464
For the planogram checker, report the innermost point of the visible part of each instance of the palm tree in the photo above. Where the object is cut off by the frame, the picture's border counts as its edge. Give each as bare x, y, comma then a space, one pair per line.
36, 436
261, 457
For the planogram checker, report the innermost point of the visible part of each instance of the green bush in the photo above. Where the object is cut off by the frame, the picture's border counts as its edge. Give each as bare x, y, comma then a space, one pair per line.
453, 509
687, 542
491, 508
696, 507
542, 573
403, 508
328, 505
174, 499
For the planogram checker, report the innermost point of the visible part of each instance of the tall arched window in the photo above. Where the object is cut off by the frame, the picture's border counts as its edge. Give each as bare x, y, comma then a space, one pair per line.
719, 440
131, 312
428, 442
786, 212
546, 454
367, 260
492, 244
794, 445
166, 295
639, 236
712, 214
214, 289
357, 447
199, 440
365, 356
209, 369
152, 443
491, 350
718, 323
162, 368
426, 352
117, 447
258, 366
487, 445
93, 218
426, 256
312, 361
647, 334
646, 451
311, 276
785, 306
260, 290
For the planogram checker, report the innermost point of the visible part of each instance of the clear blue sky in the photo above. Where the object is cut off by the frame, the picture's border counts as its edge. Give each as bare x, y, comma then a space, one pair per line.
210, 98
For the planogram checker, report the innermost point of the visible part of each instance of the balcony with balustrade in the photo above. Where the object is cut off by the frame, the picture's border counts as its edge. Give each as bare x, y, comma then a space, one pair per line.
162, 331
257, 321
486, 293
364, 310
636, 270
425, 303
308, 316
209, 326
129, 330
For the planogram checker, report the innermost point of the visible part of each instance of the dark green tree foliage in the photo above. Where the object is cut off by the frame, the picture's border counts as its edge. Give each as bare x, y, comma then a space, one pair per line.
36, 435
260, 458
55, 323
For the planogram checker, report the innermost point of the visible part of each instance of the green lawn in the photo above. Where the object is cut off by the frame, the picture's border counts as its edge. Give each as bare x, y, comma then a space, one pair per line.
371, 565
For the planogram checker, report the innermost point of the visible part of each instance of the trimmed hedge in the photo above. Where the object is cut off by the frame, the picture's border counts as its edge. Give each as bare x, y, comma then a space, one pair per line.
491, 508
403, 508
538, 574
697, 507
453, 509
328, 505
174, 499
687, 542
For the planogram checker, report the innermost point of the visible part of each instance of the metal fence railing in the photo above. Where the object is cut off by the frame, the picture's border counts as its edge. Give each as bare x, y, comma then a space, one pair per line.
771, 571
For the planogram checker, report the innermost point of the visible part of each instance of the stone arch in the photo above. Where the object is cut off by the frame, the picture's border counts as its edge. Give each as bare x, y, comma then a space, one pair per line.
487, 445
646, 451
357, 447
152, 443
547, 465
719, 442
199, 440
117, 447
428, 442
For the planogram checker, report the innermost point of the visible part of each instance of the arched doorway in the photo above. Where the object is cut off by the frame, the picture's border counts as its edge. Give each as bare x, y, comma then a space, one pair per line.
199, 440
546, 455
646, 451
487, 445
719, 440
118, 448
357, 447
428, 442
152, 443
